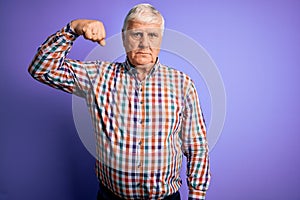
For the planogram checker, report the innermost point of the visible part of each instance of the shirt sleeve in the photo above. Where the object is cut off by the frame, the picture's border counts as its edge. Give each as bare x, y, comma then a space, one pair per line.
50, 65
195, 147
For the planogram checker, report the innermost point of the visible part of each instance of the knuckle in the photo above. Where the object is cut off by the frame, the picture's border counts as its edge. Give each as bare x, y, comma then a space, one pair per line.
88, 36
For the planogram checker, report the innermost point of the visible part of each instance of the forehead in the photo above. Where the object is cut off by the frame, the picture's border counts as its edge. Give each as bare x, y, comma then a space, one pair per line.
139, 25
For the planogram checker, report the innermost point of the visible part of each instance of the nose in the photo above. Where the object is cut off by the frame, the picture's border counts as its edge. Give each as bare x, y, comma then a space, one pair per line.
144, 42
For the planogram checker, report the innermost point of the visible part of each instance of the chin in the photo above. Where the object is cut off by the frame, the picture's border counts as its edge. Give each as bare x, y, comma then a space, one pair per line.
143, 61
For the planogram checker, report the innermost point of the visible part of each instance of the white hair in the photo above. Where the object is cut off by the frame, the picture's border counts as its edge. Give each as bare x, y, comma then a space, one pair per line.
144, 13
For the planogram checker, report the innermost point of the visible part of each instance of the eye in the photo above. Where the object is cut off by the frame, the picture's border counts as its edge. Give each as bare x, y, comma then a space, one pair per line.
153, 35
137, 35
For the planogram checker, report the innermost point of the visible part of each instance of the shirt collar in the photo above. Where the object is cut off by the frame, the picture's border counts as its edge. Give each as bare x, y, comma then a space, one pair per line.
131, 69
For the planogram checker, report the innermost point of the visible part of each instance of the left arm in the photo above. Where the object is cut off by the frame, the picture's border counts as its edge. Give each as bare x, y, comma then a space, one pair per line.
194, 146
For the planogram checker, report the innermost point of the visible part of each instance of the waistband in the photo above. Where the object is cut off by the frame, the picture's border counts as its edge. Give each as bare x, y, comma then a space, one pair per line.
105, 194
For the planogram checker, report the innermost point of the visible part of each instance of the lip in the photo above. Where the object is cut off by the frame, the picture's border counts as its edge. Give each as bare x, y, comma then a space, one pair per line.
144, 53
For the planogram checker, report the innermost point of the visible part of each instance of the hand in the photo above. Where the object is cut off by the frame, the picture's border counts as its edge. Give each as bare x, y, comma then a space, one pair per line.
90, 29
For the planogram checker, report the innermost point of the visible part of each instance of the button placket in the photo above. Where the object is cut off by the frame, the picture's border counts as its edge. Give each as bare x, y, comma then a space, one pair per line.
139, 102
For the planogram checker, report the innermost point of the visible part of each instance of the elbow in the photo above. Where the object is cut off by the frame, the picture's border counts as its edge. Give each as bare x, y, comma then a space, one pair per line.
36, 66
32, 71
36, 73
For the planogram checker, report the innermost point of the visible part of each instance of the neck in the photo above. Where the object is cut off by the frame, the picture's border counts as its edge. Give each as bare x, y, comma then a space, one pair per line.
142, 71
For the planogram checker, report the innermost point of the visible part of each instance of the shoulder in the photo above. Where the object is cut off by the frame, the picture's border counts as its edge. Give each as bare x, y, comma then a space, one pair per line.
99, 69
109, 65
176, 79
168, 71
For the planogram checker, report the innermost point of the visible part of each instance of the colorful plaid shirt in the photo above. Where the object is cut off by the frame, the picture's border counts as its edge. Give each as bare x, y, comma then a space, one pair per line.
142, 128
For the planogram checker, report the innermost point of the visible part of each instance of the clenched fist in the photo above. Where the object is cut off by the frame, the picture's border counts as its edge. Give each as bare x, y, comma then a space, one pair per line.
90, 29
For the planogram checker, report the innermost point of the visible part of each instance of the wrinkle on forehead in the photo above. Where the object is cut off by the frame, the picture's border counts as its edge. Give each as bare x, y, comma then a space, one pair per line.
135, 24
140, 22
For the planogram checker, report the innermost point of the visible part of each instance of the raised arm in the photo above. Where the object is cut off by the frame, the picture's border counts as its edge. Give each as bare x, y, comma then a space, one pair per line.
50, 65
195, 147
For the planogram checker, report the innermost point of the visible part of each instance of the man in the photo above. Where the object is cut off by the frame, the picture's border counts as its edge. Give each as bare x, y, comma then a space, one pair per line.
145, 114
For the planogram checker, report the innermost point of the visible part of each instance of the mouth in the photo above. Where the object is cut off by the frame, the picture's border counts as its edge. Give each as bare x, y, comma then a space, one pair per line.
143, 53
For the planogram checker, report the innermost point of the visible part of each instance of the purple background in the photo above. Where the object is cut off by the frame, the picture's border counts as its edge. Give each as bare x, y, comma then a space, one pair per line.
256, 46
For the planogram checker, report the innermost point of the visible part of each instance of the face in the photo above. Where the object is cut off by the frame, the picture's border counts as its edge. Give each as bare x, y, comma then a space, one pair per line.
142, 42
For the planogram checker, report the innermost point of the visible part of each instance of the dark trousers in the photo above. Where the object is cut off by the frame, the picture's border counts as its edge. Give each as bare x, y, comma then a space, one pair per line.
106, 194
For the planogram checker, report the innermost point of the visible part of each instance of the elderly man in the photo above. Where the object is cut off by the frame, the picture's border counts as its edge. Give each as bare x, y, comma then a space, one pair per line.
145, 115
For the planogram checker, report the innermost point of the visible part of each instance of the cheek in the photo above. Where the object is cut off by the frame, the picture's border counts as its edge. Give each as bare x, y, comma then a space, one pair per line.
130, 45
156, 52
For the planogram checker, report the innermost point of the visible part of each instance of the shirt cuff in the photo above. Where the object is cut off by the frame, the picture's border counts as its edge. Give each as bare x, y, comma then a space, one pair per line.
68, 32
196, 195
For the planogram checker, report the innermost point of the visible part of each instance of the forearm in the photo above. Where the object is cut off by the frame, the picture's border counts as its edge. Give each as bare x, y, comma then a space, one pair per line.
52, 52
195, 146
50, 65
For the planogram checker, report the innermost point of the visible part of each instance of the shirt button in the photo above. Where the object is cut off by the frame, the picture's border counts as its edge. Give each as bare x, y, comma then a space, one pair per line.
140, 121
140, 142
141, 102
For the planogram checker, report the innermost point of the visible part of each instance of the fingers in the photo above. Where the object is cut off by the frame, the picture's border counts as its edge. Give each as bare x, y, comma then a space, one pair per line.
95, 31
102, 42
